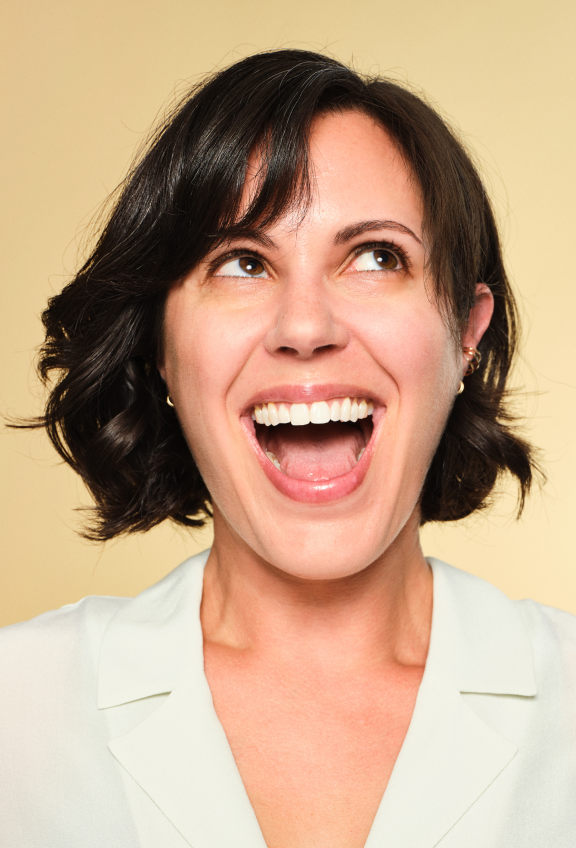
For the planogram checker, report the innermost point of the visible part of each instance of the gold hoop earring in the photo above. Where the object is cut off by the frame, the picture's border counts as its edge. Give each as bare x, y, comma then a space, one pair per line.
474, 359
169, 400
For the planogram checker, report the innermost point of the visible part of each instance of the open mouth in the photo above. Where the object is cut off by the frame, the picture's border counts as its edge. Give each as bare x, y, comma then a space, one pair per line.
316, 442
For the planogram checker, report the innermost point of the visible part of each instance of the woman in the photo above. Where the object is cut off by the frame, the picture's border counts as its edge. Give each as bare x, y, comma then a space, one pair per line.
296, 318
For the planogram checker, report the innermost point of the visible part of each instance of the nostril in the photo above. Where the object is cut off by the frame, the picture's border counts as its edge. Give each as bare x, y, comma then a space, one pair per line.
292, 351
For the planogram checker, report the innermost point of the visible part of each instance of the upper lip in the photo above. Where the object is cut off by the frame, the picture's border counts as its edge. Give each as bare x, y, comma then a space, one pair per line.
310, 392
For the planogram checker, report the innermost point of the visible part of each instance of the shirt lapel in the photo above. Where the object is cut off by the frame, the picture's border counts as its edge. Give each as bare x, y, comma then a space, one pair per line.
448, 759
179, 754
180, 757
450, 756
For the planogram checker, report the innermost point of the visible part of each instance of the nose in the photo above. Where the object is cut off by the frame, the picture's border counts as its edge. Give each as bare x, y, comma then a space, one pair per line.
306, 322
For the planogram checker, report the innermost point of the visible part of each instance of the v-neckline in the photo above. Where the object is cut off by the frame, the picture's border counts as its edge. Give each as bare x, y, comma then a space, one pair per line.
181, 757
438, 712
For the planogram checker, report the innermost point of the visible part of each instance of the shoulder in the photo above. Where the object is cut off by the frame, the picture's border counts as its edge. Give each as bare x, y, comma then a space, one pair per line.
545, 625
52, 654
553, 636
89, 614
56, 655
508, 646
84, 621
57, 774
548, 623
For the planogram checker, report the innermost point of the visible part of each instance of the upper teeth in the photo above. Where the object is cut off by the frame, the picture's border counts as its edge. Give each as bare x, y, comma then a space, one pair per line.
319, 412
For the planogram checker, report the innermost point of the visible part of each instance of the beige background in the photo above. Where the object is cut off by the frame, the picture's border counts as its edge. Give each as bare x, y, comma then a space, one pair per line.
82, 82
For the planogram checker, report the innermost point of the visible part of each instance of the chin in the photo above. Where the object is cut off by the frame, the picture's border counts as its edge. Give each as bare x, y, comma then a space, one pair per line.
320, 490
319, 542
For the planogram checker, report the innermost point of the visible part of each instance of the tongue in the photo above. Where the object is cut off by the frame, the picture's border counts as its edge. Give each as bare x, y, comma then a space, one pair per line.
315, 451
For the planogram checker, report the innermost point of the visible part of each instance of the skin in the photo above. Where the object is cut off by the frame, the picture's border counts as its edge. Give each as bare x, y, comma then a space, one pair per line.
316, 615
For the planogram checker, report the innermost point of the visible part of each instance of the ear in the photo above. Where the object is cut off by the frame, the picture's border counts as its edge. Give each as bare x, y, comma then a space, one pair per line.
479, 318
161, 364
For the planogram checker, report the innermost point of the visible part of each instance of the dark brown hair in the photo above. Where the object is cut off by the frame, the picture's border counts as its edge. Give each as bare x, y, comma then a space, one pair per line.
106, 412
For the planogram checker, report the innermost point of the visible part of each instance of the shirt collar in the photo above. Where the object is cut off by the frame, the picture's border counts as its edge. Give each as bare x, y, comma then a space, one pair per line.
478, 636
153, 637
479, 640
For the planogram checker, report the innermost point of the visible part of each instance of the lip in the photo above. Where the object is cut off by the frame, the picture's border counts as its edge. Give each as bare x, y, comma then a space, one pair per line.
320, 491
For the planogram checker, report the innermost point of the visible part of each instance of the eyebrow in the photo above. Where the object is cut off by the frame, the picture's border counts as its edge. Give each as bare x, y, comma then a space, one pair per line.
354, 230
251, 234
343, 236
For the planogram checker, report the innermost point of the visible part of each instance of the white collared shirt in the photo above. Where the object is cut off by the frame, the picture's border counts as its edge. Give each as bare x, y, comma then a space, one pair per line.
109, 735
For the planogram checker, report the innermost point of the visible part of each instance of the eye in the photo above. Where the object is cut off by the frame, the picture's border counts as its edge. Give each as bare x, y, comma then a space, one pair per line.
242, 266
377, 259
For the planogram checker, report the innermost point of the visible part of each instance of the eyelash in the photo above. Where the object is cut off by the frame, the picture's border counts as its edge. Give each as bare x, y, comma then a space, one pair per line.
398, 251
233, 254
393, 248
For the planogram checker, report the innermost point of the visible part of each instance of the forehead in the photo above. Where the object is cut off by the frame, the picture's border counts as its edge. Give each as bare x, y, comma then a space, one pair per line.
356, 173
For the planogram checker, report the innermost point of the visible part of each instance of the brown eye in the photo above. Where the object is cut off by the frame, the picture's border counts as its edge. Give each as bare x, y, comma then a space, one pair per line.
242, 266
385, 259
251, 266
377, 259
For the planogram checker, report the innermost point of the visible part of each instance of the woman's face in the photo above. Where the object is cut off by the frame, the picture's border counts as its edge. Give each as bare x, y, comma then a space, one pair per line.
290, 326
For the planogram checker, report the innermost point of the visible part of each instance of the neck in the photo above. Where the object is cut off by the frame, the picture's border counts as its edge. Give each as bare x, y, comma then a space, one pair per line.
379, 615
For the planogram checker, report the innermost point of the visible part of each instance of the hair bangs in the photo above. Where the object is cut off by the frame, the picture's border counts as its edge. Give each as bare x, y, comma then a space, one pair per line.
259, 136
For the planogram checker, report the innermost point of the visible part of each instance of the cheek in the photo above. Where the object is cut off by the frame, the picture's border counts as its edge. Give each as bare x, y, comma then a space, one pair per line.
200, 347
414, 345
206, 350
416, 350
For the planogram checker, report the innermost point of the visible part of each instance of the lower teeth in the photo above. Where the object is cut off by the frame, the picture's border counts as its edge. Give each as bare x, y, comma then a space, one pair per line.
273, 459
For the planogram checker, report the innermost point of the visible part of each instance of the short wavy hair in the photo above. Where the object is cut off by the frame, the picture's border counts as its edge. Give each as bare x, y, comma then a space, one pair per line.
106, 412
